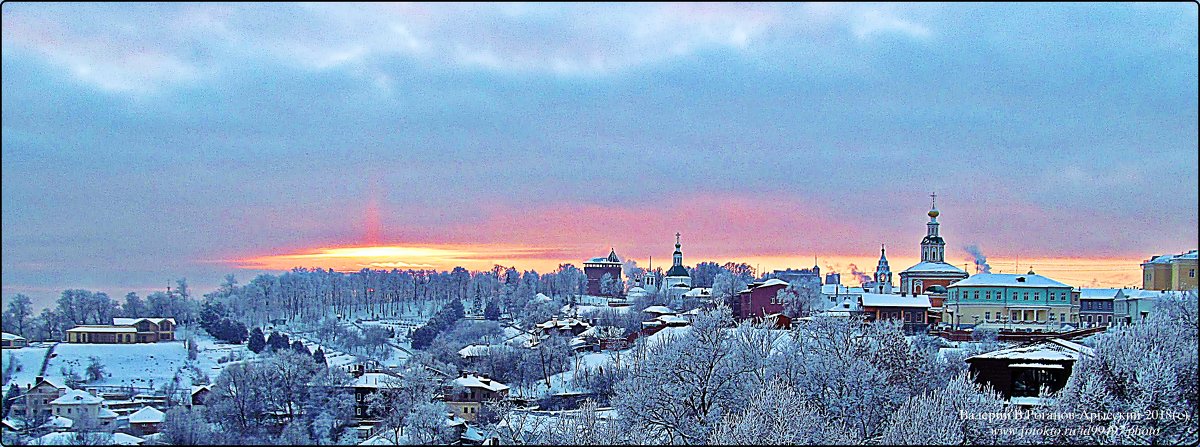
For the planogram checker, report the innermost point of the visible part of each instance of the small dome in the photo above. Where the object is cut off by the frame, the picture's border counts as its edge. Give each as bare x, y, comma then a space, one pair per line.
933, 212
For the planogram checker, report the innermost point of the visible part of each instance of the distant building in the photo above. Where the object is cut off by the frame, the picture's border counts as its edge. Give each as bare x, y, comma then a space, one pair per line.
125, 330
835, 294
802, 276
1170, 272
146, 421
366, 383
199, 396
564, 326
759, 299
933, 275
677, 280
1133, 306
833, 278
596, 268
911, 310
1096, 306
86, 410
34, 401
467, 393
13, 341
1005, 300
881, 282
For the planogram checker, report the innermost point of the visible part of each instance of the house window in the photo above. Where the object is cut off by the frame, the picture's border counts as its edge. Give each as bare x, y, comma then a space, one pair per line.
976, 294
987, 295
987, 316
1036, 295
1026, 296
1192, 273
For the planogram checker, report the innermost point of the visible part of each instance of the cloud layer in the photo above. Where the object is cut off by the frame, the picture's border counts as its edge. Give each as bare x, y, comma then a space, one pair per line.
142, 141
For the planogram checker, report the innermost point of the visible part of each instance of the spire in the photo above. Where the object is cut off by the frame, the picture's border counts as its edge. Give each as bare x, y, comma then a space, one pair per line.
612, 255
933, 246
677, 260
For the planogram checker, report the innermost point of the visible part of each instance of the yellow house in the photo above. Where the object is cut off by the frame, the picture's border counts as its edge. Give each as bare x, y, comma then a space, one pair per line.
1170, 272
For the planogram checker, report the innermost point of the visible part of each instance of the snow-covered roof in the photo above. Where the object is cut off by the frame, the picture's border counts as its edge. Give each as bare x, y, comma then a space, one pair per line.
147, 415
105, 413
636, 290
773, 282
1051, 349
1098, 294
477, 350
1167, 259
1138, 294
672, 319
698, 292
891, 300
105, 329
474, 381
99, 438
603, 332
847, 305
662, 310
76, 397
8, 336
838, 289
562, 323
376, 380
50, 382
198, 388
1008, 280
59, 422
541, 297
934, 267
133, 321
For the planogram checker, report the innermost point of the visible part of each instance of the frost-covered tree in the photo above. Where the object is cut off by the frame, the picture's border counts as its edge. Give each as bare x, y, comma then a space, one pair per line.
683, 387
18, 315
239, 398
134, 307
256, 342
962, 413
426, 424
95, 369
608, 285
319, 357
763, 423
802, 299
184, 426
1148, 368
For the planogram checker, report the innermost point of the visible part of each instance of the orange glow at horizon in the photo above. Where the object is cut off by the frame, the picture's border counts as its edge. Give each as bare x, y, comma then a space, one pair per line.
1083, 272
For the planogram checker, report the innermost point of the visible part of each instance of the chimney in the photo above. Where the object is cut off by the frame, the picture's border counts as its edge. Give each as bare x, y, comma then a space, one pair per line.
38, 379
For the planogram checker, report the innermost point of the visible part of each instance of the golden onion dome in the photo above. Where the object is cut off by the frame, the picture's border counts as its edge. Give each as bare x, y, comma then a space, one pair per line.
933, 212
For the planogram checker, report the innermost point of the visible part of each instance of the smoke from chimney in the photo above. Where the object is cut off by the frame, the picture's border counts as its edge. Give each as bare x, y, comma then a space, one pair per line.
981, 265
862, 277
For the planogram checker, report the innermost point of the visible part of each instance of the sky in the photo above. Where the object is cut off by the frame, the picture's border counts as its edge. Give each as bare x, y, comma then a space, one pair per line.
148, 142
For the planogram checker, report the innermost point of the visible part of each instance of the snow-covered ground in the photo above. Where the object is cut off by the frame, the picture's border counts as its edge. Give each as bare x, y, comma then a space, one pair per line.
30, 361
140, 365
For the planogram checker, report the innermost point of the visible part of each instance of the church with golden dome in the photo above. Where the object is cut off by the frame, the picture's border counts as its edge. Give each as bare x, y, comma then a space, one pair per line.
933, 275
